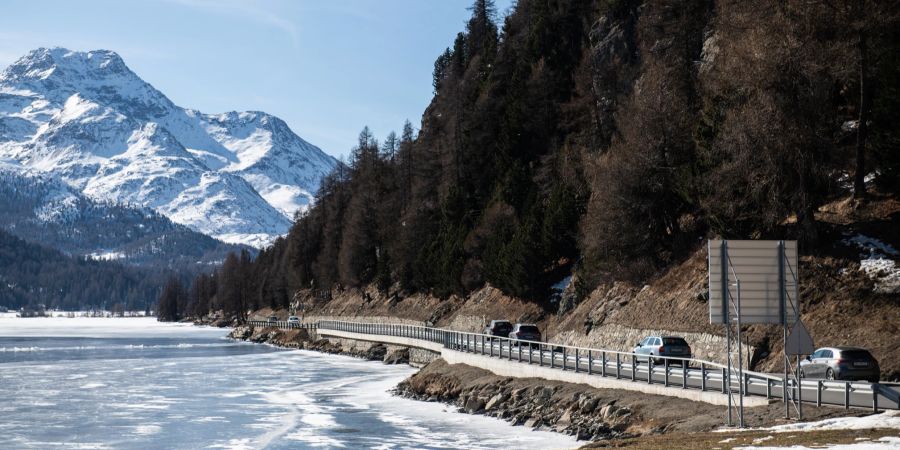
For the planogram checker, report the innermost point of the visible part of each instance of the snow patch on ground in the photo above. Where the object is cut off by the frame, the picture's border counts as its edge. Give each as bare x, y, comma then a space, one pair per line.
885, 420
885, 443
878, 261
106, 256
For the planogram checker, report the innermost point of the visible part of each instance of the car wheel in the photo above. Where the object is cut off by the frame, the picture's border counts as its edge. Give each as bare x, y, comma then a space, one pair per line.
829, 374
802, 374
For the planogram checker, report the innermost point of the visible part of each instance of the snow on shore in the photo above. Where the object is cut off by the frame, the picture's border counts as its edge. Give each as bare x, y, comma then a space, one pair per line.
100, 327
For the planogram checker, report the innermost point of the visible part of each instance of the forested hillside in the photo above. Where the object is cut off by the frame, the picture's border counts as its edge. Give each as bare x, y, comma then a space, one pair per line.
605, 139
35, 276
47, 211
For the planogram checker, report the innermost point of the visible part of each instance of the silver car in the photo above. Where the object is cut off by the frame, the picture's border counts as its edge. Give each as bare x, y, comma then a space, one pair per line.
670, 346
841, 363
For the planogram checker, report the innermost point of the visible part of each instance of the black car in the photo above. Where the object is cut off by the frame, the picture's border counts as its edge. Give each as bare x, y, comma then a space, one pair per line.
500, 328
525, 332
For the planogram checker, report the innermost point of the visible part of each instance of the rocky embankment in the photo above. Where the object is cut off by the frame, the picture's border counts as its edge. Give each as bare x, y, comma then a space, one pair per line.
580, 410
304, 340
588, 413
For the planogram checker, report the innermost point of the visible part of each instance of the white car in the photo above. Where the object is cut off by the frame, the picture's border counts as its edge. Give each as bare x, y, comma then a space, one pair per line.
293, 320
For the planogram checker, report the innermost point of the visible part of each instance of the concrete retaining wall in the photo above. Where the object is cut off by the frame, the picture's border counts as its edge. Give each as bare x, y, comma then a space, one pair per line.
508, 368
705, 346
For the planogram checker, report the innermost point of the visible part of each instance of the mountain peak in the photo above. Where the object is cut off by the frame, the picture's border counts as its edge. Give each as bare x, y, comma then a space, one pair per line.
42, 63
86, 118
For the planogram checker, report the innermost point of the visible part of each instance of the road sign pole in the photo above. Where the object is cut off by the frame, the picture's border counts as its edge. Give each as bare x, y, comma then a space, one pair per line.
726, 318
740, 358
783, 307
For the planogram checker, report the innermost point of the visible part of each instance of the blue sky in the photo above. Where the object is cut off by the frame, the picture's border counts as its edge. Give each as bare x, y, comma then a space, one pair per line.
327, 67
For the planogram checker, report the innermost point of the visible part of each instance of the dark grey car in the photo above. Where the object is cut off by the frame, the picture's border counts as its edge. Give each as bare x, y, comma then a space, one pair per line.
671, 346
498, 328
526, 332
841, 363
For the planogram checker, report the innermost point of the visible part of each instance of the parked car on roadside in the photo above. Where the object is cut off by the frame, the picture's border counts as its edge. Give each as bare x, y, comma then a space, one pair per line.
526, 332
500, 328
272, 319
841, 363
294, 321
669, 346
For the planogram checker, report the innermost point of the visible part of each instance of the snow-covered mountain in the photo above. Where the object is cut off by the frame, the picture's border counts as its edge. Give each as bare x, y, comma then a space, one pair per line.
87, 119
47, 211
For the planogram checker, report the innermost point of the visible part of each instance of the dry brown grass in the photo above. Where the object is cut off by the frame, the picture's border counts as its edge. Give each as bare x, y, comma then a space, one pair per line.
731, 440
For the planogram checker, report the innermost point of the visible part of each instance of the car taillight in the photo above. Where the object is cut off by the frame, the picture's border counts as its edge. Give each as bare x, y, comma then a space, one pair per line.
840, 362
662, 348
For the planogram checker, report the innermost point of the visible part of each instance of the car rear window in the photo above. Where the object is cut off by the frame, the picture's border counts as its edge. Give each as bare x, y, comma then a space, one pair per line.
674, 341
529, 329
856, 354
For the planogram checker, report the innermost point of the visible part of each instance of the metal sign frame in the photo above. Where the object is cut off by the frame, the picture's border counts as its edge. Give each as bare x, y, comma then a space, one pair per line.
770, 296
767, 272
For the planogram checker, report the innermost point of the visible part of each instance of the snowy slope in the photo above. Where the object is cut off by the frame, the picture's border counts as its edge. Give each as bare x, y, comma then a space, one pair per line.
45, 210
87, 119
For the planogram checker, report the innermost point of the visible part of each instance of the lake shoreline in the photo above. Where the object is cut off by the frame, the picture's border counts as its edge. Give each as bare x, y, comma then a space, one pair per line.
589, 414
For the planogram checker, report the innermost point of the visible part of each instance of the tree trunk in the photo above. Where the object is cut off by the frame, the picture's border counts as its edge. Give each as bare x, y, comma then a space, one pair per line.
859, 181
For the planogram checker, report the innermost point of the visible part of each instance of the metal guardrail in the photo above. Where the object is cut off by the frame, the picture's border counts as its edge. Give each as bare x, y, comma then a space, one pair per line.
684, 373
283, 324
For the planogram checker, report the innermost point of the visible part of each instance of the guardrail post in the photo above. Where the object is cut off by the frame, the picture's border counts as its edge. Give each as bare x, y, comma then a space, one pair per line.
618, 367
650, 365
552, 356
725, 381
576, 360
509, 348
520, 351
819, 387
564, 359
634, 363
530, 351
768, 388
541, 355
784, 390
666, 373
746, 385
702, 376
847, 395
590, 363
874, 398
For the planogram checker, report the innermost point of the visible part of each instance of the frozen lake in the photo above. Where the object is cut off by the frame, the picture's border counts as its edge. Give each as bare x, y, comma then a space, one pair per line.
133, 383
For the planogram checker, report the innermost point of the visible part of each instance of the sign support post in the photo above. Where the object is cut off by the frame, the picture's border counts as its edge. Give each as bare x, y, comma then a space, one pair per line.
748, 283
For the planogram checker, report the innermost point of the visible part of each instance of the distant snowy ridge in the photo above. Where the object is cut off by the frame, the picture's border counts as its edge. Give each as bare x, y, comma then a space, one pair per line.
40, 208
87, 119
